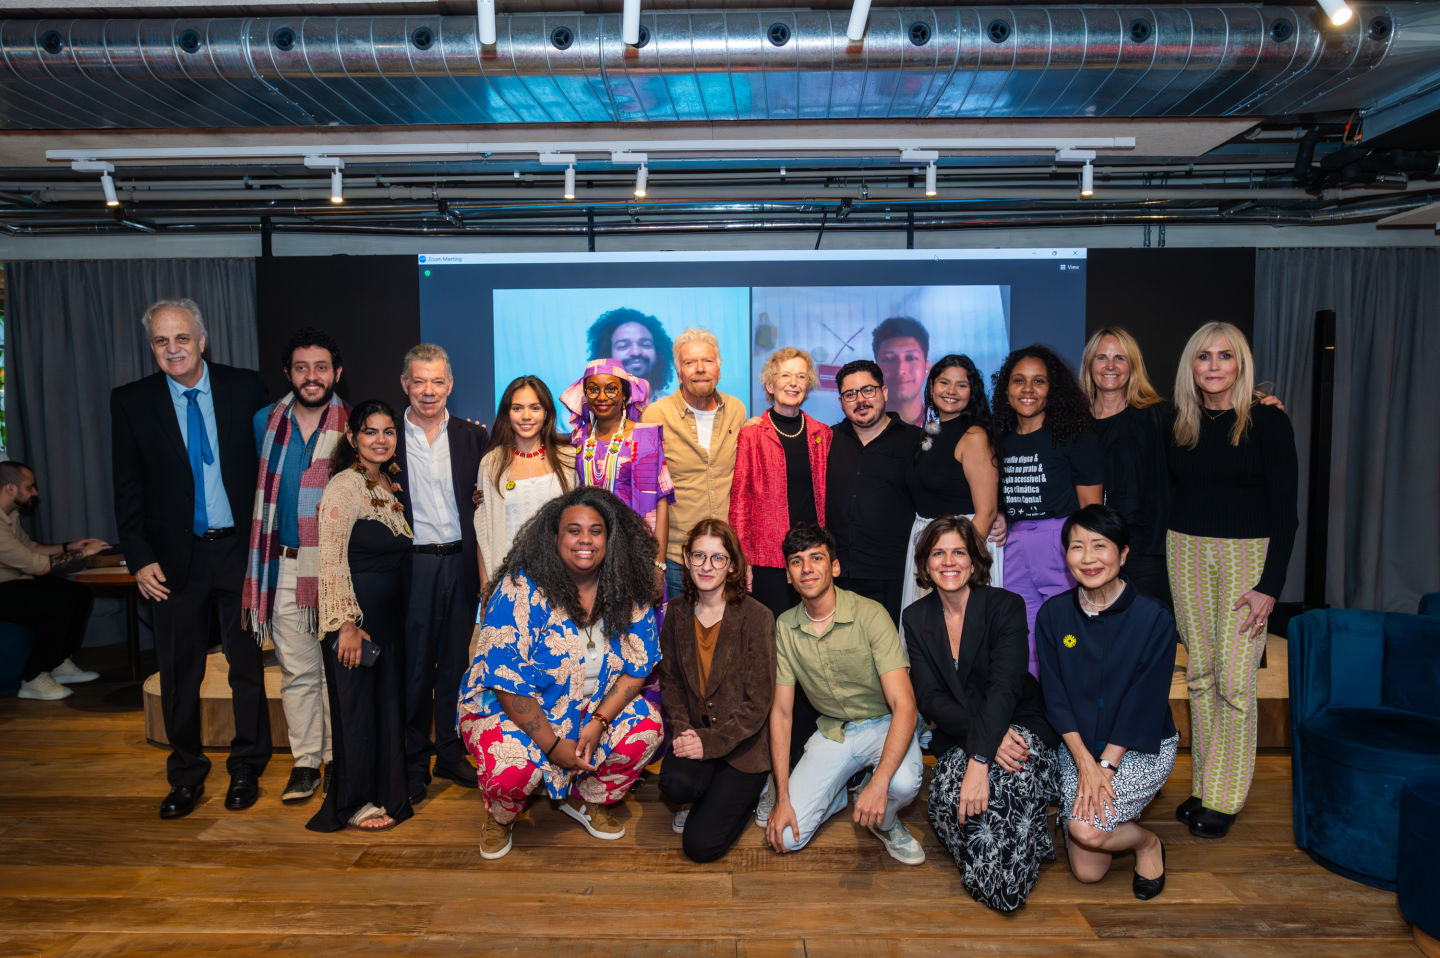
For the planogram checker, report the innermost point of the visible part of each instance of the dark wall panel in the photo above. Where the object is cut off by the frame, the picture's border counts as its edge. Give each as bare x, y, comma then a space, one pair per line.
369, 304
1162, 295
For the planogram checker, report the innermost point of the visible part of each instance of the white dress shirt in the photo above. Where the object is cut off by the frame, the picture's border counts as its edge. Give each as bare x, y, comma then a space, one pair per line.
432, 487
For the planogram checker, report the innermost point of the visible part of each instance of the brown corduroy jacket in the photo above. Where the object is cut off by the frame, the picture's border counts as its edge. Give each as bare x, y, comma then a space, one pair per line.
732, 716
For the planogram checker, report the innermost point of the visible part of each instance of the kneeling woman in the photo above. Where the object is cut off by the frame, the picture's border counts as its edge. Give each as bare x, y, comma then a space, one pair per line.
717, 676
567, 642
1106, 657
996, 770
363, 542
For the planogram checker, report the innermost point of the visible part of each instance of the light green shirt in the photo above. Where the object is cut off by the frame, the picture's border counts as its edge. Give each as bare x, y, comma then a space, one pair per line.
840, 670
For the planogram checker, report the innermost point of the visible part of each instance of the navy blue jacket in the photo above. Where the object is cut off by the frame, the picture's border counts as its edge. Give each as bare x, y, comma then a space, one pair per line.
1108, 676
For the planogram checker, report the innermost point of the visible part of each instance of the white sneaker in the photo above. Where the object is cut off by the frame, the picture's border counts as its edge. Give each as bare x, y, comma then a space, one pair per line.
767, 804
68, 673
678, 825
44, 688
902, 846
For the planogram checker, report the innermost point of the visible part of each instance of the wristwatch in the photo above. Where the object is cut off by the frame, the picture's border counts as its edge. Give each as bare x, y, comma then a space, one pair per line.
1106, 763
981, 759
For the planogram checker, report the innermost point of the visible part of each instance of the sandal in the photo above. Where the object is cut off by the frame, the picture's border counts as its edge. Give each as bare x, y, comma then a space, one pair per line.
370, 813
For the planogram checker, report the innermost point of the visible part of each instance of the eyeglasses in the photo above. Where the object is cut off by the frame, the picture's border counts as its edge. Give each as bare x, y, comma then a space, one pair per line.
718, 560
868, 392
609, 389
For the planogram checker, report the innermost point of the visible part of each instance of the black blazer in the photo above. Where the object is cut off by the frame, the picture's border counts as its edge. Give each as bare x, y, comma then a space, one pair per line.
154, 490
973, 703
467, 445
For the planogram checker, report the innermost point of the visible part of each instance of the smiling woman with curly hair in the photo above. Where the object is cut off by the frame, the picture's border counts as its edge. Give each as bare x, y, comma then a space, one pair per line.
567, 643
1050, 466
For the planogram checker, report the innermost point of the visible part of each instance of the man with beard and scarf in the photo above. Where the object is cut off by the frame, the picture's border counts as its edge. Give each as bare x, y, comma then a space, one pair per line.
295, 439
34, 591
636, 341
866, 495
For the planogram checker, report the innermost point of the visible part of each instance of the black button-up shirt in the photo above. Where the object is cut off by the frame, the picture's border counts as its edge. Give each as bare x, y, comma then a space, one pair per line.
868, 507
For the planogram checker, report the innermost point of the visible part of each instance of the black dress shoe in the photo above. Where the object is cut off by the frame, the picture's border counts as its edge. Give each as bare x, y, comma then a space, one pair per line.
1187, 809
465, 775
1148, 888
181, 801
1208, 823
244, 789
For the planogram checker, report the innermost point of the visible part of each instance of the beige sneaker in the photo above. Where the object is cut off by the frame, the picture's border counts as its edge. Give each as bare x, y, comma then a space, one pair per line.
494, 838
596, 818
43, 688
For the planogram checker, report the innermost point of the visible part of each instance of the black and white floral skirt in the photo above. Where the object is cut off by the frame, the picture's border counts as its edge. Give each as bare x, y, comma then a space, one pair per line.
998, 853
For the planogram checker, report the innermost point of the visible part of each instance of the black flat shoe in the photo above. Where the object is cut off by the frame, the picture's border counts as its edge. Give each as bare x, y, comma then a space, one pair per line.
181, 801
418, 795
465, 775
1148, 888
1187, 809
1208, 823
244, 789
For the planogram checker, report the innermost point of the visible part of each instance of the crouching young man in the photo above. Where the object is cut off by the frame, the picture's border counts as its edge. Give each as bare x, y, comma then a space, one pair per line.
843, 650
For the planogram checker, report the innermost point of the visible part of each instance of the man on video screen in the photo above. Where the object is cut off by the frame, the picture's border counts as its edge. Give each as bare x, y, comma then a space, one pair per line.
638, 341
901, 345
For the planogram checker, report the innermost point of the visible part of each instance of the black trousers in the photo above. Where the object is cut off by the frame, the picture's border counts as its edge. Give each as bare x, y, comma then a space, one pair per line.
182, 639
439, 621
724, 799
888, 592
1148, 574
56, 608
771, 589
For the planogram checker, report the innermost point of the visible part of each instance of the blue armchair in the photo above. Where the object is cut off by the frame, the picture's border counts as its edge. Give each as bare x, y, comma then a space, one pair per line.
1364, 716
1430, 603
15, 643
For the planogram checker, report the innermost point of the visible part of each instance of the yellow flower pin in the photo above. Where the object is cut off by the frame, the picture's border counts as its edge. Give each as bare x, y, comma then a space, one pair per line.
1070, 641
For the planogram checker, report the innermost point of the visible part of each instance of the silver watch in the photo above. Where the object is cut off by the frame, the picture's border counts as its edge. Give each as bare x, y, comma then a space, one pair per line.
1105, 763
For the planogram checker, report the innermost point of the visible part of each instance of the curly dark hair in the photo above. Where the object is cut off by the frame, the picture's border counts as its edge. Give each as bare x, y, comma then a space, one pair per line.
980, 560
597, 340
310, 336
1066, 411
976, 411
344, 455
627, 573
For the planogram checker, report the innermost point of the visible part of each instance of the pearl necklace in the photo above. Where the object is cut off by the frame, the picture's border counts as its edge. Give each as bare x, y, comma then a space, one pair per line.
776, 426
828, 615
1099, 607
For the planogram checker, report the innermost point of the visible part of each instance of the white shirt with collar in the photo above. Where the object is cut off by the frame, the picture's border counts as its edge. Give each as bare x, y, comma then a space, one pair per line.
431, 484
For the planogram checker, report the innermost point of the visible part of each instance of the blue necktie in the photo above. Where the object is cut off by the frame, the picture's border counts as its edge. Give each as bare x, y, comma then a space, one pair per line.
198, 446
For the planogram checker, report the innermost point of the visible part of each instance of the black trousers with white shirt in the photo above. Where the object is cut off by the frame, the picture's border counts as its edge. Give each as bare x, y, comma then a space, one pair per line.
439, 622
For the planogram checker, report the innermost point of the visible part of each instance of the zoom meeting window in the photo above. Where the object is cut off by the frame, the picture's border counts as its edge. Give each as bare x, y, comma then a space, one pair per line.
501, 316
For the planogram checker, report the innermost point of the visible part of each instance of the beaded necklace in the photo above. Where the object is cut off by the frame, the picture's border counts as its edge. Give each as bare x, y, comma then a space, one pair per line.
378, 501
537, 453
608, 465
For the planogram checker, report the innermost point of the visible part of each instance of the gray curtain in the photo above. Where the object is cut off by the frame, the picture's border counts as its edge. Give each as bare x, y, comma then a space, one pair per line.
72, 334
1384, 509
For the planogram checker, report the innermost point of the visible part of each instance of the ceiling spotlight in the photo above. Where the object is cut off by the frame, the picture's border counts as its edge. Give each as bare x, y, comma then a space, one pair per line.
485, 14
107, 186
1087, 180
570, 182
630, 22
930, 179
1338, 11
859, 13
642, 176
337, 186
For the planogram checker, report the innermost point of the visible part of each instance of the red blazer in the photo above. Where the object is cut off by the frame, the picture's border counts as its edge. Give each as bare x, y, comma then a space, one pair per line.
759, 510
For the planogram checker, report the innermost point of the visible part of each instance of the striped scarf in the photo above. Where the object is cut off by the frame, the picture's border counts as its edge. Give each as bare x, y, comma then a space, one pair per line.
262, 570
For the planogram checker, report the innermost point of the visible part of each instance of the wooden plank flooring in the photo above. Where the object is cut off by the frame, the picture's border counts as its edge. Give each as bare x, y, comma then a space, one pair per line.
87, 868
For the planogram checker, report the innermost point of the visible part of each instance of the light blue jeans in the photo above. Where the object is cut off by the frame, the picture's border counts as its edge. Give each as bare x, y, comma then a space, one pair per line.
817, 784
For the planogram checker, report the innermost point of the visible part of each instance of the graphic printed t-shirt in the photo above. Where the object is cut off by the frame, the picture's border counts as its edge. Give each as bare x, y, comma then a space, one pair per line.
1038, 477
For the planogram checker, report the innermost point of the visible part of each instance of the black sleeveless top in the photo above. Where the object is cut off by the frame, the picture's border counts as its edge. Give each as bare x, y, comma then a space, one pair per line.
937, 482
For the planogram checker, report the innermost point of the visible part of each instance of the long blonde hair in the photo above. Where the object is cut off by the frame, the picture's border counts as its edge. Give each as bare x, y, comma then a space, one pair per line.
1187, 394
1138, 391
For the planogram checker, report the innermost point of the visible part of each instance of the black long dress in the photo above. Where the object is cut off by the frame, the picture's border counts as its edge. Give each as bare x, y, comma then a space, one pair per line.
367, 704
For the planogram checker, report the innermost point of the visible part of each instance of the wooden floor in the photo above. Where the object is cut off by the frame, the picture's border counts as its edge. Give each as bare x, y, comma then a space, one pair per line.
88, 868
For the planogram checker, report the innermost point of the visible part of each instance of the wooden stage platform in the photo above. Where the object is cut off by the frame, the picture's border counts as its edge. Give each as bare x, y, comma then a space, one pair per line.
87, 868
